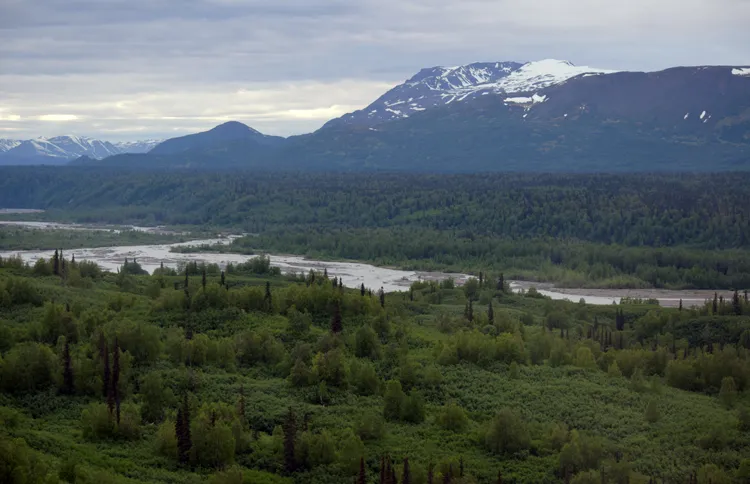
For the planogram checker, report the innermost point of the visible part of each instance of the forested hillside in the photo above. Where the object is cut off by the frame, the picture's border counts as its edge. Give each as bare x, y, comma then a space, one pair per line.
246, 376
689, 231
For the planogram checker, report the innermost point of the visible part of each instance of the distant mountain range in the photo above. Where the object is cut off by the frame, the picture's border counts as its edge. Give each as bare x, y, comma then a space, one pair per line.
503, 116
62, 149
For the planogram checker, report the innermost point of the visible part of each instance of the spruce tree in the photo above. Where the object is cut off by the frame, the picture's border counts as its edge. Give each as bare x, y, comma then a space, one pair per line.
223, 279
73, 260
490, 314
67, 370
187, 280
680, 308
241, 405
203, 278
325, 273
362, 479
448, 475
179, 432
336, 324
481, 279
116, 378
382, 298
104, 357
182, 429
56, 264
267, 299
736, 303
461, 466
290, 434
501, 283
362, 290
715, 305
406, 476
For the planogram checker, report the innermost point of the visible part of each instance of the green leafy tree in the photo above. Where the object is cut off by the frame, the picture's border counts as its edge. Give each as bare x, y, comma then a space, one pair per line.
728, 391
394, 398
507, 433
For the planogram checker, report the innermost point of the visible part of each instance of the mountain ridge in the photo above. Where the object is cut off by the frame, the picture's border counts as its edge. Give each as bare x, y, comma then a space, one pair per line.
59, 150
546, 115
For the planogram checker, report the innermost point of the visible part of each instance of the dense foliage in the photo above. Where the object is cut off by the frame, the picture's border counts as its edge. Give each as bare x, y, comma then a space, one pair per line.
276, 379
690, 231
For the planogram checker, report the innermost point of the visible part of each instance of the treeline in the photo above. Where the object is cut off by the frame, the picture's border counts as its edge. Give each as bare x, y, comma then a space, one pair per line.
703, 211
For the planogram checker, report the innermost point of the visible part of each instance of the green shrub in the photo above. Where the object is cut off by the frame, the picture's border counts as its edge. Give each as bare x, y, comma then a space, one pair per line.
97, 423
453, 418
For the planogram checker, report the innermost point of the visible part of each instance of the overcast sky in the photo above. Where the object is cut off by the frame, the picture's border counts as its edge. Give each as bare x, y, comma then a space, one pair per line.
135, 69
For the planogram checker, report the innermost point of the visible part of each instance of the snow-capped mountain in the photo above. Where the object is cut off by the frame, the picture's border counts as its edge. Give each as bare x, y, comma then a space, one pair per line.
8, 144
438, 86
143, 146
61, 149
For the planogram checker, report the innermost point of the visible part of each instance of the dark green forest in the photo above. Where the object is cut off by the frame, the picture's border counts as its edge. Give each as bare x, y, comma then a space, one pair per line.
249, 376
638, 230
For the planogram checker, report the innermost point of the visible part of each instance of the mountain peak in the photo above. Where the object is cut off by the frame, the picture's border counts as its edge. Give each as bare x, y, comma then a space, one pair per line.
438, 86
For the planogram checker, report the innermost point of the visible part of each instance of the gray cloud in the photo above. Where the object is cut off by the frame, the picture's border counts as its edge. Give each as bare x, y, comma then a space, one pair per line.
141, 68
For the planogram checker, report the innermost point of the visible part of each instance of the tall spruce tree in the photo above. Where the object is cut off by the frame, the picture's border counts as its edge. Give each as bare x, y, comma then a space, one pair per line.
406, 475
223, 279
241, 406
362, 478
116, 378
336, 323
67, 370
268, 298
490, 313
182, 429
461, 466
203, 278
290, 436
104, 357
56, 263
362, 290
501, 283
715, 304
187, 280
736, 303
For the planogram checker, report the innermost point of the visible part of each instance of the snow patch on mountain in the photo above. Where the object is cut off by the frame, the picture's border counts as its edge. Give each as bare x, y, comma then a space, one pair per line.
143, 146
439, 86
8, 144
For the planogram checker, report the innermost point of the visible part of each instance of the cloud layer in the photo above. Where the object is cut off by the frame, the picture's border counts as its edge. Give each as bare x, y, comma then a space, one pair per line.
155, 68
